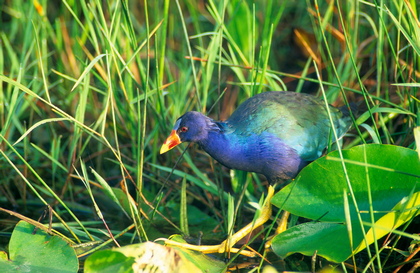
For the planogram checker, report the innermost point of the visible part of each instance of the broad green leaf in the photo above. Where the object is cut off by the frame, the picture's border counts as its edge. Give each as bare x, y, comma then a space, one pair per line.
33, 250
317, 193
331, 240
404, 211
388, 175
109, 261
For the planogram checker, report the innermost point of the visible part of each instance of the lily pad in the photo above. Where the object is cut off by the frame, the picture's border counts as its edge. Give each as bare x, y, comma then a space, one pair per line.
332, 240
384, 180
393, 172
33, 250
329, 240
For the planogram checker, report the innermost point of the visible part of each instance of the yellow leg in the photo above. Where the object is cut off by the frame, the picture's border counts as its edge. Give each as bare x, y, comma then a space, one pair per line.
281, 227
227, 245
283, 222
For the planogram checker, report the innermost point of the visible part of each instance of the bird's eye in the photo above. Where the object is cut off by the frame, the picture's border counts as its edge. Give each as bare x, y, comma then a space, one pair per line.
184, 129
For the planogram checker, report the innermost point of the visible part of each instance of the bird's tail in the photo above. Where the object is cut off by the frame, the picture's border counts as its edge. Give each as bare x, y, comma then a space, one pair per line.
352, 107
345, 122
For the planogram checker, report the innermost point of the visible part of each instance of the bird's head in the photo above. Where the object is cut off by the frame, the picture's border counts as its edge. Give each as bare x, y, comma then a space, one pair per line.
190, 127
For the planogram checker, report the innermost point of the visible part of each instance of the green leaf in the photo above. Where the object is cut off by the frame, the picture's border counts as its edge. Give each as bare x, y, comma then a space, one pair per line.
404, 211
117, 195
87, 70
317, 193
108, 261
240, 23
33, 250
383, 180
331, 240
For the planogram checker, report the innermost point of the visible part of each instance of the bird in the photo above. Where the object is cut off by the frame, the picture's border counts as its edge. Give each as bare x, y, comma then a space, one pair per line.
274, 133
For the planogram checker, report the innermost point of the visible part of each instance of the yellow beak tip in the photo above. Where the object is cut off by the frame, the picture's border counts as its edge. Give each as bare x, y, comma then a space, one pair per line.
172, 141
164, 149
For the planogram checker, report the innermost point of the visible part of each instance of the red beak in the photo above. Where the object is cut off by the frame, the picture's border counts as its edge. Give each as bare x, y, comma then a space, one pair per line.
172, 141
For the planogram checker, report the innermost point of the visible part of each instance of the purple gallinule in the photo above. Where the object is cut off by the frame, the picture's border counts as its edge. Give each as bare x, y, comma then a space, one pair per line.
273, 133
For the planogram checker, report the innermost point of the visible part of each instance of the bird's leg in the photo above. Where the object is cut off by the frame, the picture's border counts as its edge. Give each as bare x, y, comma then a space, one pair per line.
282, 226
283, 222
265, 215
227, 245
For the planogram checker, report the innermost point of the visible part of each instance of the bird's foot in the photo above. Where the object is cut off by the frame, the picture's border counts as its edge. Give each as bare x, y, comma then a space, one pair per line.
227, 245
211, 249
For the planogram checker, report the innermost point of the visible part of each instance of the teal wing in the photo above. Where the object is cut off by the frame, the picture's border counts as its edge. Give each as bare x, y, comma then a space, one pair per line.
300, 120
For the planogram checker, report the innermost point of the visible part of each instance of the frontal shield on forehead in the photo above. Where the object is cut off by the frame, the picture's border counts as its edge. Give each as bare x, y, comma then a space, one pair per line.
177, 123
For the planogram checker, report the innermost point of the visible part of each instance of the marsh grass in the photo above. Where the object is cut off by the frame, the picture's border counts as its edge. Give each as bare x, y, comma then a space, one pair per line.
91, 89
